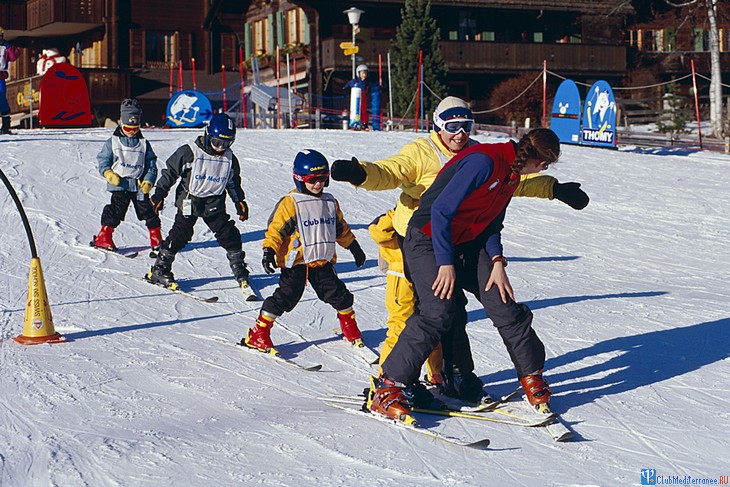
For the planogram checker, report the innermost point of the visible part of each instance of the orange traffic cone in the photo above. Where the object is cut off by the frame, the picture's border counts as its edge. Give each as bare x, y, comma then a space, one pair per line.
38, 327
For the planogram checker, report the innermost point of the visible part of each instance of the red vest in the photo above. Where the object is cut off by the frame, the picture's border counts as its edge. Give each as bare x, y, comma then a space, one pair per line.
486, 202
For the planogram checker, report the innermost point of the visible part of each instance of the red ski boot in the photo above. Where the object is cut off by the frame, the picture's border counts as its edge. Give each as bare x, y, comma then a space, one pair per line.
155, 238
348, 325
387, 398
537, 392
104, 239
259, 337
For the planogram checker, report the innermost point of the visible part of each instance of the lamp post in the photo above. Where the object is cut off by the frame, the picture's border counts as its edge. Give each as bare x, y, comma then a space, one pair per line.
353, 15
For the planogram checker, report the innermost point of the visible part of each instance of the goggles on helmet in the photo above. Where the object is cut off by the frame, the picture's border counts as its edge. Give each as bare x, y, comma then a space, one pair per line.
312, 178
220, 144
454, 126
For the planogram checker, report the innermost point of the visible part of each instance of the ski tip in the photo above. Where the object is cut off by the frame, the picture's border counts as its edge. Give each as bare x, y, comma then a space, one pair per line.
313, 368
212, 299
479, 445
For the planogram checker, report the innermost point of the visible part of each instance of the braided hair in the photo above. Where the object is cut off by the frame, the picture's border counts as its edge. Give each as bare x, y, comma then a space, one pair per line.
540, 144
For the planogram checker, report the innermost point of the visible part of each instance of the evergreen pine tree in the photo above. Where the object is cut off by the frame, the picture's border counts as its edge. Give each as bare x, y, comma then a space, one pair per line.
418, 31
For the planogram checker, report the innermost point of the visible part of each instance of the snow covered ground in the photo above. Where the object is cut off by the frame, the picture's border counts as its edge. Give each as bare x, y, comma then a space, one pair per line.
630, 297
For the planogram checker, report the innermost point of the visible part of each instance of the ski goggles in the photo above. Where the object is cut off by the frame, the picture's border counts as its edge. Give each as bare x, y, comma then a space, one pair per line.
313, 178
455, 126
220, 144
129, 128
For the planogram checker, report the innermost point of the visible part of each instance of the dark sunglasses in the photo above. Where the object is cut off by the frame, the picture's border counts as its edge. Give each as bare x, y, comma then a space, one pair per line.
458, 125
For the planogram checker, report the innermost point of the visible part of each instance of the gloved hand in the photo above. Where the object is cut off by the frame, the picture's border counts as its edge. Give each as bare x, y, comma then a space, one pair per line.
350, 171
357, 253
146, 186
571, 195
269, 260
158, 202
242, 210
113, 178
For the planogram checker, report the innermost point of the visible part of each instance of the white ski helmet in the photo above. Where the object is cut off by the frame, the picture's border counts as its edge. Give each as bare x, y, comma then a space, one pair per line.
361, 67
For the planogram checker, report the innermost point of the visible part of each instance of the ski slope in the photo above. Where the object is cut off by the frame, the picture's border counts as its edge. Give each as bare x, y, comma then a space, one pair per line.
630, 297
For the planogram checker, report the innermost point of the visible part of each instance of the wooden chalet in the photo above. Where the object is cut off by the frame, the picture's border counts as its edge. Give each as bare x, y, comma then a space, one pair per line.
126, 48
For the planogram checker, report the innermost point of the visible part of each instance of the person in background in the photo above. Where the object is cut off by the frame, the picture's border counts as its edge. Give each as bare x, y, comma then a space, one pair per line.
460, 219
369, 99
8, 54
303, 229
207, 169
129, 166
413, 170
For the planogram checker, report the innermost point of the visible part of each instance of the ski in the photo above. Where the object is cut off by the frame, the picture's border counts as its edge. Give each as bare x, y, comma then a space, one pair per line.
368, 354
275, 356
121, 252
475, 445
510, 417
248, 293
177, 290
552, 422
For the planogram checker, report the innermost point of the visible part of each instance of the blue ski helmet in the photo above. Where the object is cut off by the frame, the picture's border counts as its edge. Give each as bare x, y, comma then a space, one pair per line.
220, 133
309, 165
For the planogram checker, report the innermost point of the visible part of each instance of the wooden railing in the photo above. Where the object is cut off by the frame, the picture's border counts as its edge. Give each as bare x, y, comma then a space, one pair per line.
496, 57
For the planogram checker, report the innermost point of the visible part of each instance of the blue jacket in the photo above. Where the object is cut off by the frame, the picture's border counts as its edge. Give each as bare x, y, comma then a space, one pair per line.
105, 159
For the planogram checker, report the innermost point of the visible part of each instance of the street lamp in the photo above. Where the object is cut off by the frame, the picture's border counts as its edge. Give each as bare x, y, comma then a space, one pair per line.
353, 15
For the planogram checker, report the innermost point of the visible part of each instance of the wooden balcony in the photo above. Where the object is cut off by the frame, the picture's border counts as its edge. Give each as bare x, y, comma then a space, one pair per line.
63, 17
497, 57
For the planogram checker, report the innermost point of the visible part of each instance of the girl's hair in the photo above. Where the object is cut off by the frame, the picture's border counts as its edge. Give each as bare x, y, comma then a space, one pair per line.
540, 144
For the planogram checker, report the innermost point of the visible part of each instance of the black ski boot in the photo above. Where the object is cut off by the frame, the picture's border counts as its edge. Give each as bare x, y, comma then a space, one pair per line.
465, 386
5, 130
161, 272
238, 266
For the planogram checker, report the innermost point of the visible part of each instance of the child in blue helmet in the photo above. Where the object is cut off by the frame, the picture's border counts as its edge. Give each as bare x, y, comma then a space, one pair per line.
300, 240
207, 169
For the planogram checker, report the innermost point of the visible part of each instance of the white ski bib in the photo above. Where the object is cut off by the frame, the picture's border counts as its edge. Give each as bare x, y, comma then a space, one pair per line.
209, 174
128, 161
317, 224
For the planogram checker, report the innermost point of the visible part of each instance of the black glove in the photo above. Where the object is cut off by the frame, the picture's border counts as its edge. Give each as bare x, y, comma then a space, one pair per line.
357, 253
269, 260
158, 202
571, 195
242, 210
350, 171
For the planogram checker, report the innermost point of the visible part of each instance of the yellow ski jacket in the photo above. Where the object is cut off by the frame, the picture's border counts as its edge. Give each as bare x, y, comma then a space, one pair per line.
282, 232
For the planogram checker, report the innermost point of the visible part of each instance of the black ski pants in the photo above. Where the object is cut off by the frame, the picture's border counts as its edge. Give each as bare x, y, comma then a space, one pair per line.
434, 316
324, 281
455, 344
114, 213
220, 224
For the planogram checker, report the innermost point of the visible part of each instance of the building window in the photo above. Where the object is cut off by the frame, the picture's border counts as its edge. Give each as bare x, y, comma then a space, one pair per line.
296, 23
261, 36
701, 40
160, 47
485, 36
537, 37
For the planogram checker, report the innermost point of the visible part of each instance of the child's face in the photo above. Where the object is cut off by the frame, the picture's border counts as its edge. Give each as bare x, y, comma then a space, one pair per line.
130, 130
315, 187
